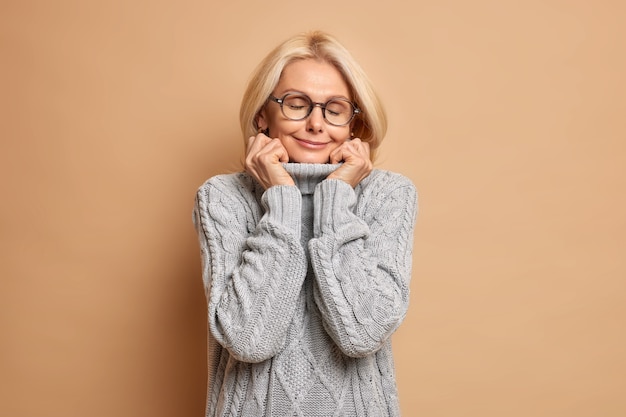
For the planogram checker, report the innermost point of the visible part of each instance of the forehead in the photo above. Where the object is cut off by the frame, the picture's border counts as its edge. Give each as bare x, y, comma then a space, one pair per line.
318, 79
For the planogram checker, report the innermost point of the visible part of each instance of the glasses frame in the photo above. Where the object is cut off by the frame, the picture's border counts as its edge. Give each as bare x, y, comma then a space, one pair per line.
313, 104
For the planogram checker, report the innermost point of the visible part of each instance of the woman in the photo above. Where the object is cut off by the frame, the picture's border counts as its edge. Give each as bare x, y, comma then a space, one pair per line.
307, 254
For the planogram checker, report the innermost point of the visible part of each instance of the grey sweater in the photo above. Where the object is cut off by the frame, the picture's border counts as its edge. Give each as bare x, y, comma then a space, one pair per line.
305, 286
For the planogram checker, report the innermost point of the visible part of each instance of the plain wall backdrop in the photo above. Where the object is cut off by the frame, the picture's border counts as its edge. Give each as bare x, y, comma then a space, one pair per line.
507, 115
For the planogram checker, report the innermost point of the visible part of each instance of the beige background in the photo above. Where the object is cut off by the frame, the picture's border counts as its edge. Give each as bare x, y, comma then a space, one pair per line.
508, 115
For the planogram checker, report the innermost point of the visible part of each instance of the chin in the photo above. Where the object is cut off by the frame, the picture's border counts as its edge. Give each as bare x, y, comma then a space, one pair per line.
309, 161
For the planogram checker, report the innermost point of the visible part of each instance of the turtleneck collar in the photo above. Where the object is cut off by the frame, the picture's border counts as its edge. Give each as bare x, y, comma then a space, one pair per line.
307, 176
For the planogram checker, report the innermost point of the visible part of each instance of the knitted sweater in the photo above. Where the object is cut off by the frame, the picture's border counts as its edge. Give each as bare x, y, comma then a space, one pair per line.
305, 285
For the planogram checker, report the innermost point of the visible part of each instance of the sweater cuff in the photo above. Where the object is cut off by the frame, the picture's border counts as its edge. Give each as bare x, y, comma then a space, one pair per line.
283, 205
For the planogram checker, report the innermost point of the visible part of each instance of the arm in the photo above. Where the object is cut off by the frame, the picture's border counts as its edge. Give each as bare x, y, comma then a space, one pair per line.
361, 255
252, 277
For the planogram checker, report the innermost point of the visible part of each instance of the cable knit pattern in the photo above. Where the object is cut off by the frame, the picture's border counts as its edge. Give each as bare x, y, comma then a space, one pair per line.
305, 285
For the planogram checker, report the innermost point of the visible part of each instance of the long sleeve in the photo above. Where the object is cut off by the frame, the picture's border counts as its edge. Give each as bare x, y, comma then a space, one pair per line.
253, 264
361, 256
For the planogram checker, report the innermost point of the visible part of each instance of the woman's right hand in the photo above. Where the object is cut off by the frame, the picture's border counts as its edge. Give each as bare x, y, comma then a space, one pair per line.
264, 159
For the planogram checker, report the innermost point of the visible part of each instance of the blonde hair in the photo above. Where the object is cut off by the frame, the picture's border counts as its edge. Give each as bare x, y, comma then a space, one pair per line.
370, 126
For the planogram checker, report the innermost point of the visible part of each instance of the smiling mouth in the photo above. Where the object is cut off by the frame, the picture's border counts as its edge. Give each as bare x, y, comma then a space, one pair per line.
311, 143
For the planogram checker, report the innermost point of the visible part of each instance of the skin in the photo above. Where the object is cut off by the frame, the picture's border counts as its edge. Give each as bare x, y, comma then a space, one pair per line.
311, 140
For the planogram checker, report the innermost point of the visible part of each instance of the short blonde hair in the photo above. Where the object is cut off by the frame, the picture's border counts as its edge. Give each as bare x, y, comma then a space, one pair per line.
370, 126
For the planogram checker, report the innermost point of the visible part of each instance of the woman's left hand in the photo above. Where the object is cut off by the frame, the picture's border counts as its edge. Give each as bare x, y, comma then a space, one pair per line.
357, 165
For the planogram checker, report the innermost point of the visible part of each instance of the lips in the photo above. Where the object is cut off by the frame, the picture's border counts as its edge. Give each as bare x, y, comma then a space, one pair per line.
306, 142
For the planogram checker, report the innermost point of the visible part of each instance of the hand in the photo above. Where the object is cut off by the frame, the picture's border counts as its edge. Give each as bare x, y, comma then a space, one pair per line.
264, 158
357, 165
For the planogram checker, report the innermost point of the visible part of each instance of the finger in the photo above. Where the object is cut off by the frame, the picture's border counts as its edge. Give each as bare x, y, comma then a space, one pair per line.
350, 151
365, 149
284, 157
355, 143
249, 143
275, 148
336, 155
256, 143
273, 152
360, 148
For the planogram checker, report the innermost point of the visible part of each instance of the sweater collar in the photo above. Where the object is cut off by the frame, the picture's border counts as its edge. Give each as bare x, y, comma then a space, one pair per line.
307, 176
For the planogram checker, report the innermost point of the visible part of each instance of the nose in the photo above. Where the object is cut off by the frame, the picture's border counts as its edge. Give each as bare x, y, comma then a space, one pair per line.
315, 121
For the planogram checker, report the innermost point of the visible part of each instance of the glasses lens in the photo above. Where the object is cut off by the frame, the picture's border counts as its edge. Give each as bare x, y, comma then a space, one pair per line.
339, 112
296, 107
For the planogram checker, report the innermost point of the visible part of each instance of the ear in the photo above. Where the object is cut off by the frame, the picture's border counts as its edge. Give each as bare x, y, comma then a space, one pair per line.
261, 120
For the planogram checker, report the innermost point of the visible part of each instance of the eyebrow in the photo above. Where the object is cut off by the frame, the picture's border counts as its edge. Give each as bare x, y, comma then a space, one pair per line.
283, 94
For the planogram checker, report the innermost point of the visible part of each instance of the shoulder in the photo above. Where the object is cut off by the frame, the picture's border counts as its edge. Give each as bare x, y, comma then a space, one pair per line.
383, 181
385, 195
225, 181
231, 200
235, 186
384, 189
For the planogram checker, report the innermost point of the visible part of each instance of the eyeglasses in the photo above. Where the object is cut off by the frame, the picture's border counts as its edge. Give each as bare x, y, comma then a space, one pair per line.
336, 111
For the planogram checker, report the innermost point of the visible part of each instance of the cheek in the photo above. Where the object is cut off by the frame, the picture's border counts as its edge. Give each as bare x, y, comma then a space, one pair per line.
278, 124
340, 135
336, 143
274, 120
281, 129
